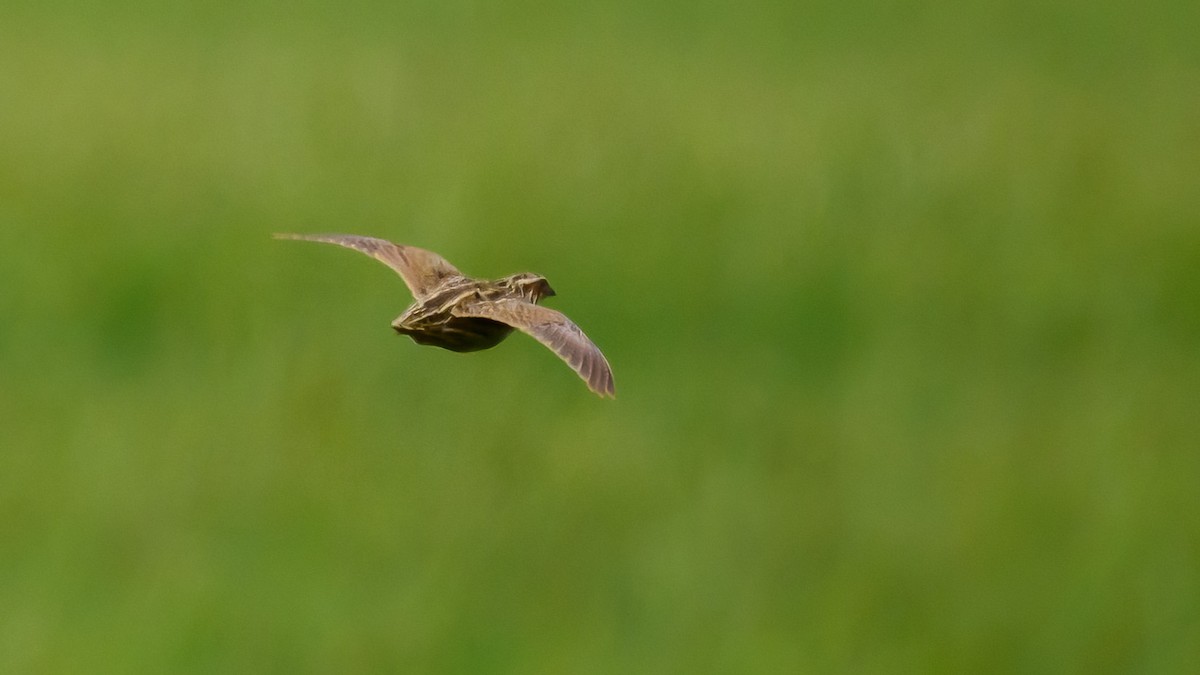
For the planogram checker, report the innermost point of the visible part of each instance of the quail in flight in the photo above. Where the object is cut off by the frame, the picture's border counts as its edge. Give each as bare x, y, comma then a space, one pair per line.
455, 312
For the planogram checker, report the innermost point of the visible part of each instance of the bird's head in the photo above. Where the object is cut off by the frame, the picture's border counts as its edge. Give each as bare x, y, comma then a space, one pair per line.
533, 287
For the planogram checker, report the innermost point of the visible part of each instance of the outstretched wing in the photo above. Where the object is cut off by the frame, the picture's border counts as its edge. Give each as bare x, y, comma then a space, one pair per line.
554, 330
421, 270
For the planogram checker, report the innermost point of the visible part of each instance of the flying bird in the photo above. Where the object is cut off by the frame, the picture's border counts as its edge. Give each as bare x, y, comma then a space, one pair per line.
463, 314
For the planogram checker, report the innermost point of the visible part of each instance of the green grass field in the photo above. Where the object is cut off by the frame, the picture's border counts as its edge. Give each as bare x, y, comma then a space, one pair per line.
903, 302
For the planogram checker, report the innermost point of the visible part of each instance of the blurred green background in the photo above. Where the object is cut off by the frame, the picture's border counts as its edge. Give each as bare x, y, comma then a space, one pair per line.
903, 302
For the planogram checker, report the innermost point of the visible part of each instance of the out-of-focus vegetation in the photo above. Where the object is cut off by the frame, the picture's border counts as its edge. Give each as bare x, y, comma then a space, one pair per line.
903, 302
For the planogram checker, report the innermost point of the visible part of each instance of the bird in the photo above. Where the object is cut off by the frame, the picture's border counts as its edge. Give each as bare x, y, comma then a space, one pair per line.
463, 314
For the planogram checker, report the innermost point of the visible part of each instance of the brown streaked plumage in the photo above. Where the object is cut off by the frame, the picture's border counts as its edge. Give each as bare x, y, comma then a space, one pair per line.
455, 312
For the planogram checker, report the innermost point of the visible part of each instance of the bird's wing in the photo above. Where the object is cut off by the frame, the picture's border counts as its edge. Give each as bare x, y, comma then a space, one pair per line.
554, 330
421, 270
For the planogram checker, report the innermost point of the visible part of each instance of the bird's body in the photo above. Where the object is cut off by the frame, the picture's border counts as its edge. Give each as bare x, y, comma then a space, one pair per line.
458, 334
462, 314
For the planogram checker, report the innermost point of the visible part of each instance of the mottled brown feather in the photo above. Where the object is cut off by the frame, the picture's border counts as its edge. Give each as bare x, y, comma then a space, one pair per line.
554, 330
462, 314
423, 271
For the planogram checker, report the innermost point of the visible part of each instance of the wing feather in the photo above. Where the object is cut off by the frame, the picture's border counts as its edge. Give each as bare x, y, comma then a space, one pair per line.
421, 270
554, 330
